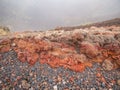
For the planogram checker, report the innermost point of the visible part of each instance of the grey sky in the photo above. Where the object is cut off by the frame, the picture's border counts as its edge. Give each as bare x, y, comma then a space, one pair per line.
46, 14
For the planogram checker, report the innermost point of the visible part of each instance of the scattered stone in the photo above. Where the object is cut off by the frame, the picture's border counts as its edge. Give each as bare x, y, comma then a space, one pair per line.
110, 89
13, 44
25, 84
63, 81
20, 86
55, 87
93, 88
59, 79
31, 73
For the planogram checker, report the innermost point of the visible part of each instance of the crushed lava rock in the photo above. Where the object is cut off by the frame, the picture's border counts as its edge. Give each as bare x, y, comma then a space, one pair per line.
15, 75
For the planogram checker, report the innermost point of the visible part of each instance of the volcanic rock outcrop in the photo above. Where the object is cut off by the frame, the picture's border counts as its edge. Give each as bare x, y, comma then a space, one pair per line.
74, 49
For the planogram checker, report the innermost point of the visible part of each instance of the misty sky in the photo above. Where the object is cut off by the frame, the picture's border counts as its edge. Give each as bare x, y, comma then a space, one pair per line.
47, 14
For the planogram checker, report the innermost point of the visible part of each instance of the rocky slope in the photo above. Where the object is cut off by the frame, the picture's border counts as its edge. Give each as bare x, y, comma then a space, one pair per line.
74, 49
62, 59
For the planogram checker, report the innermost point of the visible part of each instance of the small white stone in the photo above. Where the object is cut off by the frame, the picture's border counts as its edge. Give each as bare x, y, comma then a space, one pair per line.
0, 81
2, 68
31, 74
55, 87
31, 88
20, 86
13, 45
64, 82
93, 88
110, 89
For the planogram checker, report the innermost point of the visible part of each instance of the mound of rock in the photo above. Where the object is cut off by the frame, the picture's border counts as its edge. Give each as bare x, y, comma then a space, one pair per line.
75, 49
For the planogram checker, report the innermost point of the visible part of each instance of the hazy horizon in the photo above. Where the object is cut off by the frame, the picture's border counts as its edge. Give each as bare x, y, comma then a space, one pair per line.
47, 14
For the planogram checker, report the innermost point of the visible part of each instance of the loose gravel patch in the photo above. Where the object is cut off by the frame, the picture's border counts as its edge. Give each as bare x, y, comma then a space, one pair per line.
15, 75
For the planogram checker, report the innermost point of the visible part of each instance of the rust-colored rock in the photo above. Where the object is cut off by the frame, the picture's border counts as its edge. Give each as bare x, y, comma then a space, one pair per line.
75, 49
4, 48
89, 49
22, 57
5, 45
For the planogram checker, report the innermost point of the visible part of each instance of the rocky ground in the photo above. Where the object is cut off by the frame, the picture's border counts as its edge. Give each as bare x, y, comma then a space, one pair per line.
15, 75
76, 59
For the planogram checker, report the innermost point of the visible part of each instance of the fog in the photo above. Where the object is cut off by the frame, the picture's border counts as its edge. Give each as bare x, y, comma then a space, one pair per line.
22, 15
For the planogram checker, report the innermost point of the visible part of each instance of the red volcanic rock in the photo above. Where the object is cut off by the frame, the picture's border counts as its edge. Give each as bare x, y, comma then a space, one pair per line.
80, 58
5, 45
89, 49
28, 50
78, 67
55, 60
32, 59
118, 61
5, 48
73, 49
22, 57
66, 63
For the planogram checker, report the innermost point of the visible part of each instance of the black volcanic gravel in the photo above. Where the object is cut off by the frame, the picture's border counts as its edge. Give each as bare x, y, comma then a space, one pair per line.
15, 75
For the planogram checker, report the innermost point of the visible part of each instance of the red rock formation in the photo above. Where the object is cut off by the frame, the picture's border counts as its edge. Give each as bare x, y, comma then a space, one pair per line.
89, 49
75, 51
5, 45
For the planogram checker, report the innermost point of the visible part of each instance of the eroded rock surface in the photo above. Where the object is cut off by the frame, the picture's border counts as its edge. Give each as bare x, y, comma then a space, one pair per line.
74, 49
